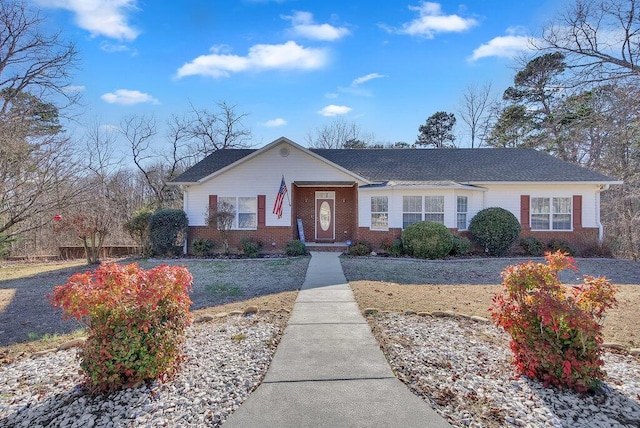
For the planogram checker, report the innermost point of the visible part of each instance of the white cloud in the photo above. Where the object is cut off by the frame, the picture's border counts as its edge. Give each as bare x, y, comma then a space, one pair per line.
331, 95
303, 25
287, 56
74, 89
334, 110
116, 48
363, 79
107, 18
110, 128
508, 46
431, 20
274, 123
128, 97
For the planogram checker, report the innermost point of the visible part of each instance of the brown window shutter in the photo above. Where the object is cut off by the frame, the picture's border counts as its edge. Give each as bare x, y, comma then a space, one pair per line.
213, 204
577, 212
525, 204
261, 210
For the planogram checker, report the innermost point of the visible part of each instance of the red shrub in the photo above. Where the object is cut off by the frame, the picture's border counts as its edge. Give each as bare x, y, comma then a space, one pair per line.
556, 329
136, 318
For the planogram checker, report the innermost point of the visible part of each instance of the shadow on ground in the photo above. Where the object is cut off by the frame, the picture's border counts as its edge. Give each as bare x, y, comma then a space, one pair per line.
29, 315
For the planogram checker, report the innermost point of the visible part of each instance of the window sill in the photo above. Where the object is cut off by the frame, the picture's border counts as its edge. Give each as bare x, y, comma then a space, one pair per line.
551, 230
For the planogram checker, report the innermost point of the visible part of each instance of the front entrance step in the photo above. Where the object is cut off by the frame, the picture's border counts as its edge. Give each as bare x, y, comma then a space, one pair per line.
327, 246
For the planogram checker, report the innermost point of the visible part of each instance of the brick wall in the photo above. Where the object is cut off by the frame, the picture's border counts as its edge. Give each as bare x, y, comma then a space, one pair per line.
376, 237
266, 235
577, 239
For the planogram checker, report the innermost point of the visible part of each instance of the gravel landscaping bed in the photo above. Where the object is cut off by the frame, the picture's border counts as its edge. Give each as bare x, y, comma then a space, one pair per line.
224, 363
462, 368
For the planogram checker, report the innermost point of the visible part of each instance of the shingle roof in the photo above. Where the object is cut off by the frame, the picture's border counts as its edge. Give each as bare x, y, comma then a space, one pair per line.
460, 165
428, 165
212, 163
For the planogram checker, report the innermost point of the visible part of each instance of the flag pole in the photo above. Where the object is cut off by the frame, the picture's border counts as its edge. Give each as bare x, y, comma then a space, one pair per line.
285, 183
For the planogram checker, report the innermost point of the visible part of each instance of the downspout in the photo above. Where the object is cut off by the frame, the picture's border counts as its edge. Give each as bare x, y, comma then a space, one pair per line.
598, 220
185, 198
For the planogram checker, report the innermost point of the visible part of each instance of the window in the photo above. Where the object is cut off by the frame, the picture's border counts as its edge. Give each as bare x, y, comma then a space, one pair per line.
461, 212
245, 210
551, 213
434, 209
379, 212
414, 210
411, 210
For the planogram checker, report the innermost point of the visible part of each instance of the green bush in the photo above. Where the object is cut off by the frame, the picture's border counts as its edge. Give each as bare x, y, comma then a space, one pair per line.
138, 228
201, 246
295, 248
168, 229
558, 245
532, 246
495, 229
136, 318
359, 248
427, 240
250, 247
461, 246
396, 249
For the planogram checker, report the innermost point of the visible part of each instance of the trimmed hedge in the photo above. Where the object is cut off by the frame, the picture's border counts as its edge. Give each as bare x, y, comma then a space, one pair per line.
295, 248
495, 229
427, 240
168, 229
461, 246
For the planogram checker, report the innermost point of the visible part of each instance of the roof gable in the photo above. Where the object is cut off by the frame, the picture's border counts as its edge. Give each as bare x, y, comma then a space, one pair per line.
222, 160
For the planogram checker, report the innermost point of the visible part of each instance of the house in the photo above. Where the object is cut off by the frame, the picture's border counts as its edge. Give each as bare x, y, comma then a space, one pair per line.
340, 195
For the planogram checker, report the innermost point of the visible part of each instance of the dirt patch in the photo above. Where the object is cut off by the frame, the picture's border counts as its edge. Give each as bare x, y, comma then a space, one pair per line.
467, 286
620, 325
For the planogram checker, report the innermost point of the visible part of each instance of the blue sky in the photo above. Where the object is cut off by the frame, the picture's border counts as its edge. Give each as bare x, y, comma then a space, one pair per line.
293, 65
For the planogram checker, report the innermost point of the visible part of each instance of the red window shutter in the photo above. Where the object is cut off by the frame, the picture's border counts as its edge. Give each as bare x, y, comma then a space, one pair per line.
261, 210
577, 212
213, 204
524, 211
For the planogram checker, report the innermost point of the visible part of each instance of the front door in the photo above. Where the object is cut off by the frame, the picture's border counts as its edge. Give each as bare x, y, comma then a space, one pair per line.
325, 216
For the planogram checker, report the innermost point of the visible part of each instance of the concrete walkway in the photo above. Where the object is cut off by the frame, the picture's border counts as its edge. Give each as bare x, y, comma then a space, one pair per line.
328, 370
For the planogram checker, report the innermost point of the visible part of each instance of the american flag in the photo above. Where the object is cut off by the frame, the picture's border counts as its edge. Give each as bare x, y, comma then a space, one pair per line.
277, 207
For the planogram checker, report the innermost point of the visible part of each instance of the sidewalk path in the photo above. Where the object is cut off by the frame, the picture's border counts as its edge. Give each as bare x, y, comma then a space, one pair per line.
328, 370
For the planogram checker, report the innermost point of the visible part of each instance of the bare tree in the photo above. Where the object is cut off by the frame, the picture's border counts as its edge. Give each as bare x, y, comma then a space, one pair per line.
475, 104
36, 159
601, 39
156, 167
208, 131
340, 134
222, 219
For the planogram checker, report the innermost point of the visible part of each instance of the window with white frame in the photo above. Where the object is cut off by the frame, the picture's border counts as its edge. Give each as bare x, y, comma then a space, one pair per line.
551, 213
418, 208
411, 210
462, 207
379, 212
245, 210
434, 209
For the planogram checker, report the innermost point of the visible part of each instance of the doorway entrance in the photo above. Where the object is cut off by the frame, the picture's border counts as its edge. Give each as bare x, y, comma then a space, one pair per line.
325, 216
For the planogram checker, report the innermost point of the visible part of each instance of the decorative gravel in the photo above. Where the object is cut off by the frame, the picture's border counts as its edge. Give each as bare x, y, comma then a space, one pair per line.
463, 369
224, 363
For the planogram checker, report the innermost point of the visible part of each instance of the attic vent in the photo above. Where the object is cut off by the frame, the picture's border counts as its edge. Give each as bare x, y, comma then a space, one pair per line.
284, 152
